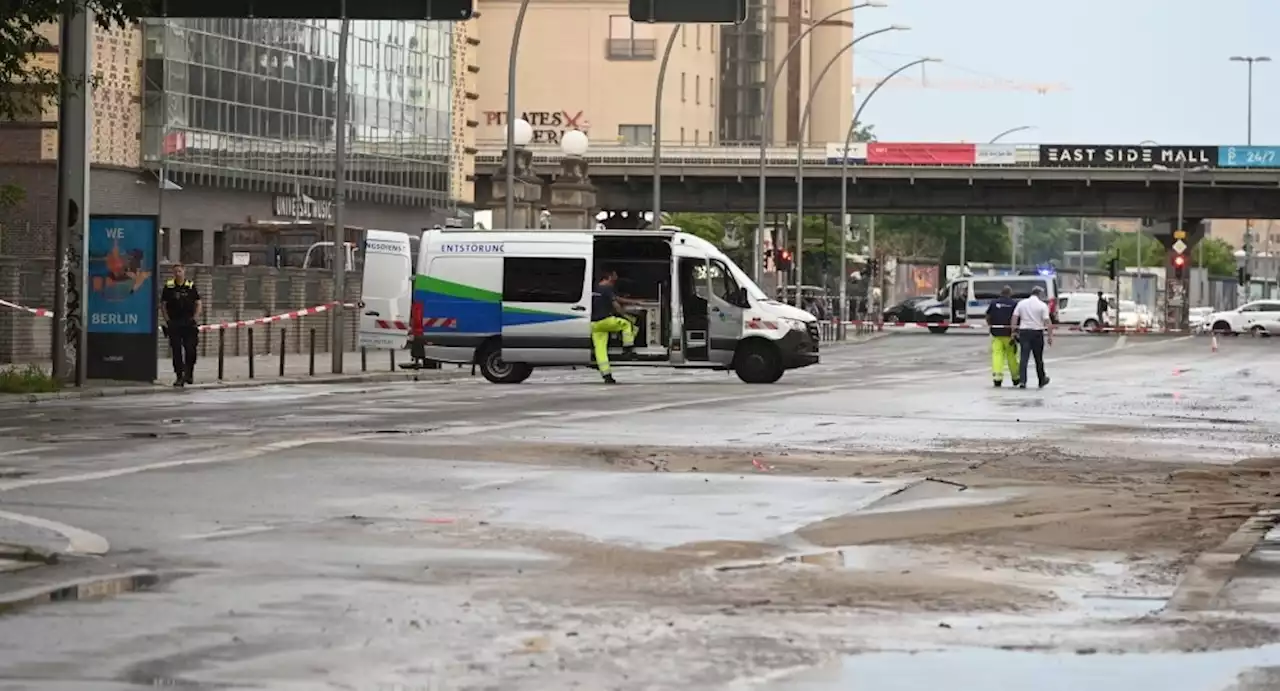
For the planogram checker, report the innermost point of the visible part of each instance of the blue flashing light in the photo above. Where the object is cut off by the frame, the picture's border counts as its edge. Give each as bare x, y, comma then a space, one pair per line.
1046, 270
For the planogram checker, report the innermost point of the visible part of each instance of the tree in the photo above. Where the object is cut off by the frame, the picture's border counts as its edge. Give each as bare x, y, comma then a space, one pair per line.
25, 87
709, 227
863, 133
938, 238
1214, 254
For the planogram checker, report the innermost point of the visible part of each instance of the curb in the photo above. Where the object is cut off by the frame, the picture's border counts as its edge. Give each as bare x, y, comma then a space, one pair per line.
1209, 574
88, 588
112, 392
27, 554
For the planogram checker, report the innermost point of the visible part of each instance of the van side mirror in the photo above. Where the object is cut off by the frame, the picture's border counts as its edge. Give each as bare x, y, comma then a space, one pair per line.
740, 298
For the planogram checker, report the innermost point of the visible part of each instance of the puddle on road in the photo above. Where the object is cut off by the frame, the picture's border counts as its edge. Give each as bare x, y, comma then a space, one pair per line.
977, 669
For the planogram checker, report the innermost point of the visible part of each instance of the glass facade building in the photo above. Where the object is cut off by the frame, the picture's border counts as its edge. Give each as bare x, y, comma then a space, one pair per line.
252, 104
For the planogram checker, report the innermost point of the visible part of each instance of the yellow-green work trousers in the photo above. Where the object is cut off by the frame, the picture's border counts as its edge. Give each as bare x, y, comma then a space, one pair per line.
1004, 353
600, 331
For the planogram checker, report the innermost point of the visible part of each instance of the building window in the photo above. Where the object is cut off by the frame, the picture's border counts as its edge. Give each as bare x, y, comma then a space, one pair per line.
635, 135
683, 85
697, 137
629, 40
684, 36
526, 279
682, 135
711, 90
697, 37
697, 89
191, 246
711, 40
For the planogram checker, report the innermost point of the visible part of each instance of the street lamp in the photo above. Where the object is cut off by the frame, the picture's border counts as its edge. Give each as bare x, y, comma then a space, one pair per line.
844, 189
1249, 60
964, 220
800, 140
510, 206
766, 118
657, 127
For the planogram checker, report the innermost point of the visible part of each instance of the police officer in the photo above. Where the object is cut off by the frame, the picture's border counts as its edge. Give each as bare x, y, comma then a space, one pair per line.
180, 302
1102, 308
1004, 348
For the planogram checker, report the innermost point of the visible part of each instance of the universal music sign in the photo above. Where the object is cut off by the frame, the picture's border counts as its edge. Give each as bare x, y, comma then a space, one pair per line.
1100, 156
303, 207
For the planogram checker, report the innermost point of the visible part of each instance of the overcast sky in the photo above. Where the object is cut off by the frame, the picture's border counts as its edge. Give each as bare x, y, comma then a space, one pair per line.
1137, 69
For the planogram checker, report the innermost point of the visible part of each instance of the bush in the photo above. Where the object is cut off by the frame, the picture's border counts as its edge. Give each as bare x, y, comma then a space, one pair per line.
29, 379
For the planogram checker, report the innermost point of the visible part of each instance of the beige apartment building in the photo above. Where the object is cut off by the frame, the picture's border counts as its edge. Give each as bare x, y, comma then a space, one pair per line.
583, 64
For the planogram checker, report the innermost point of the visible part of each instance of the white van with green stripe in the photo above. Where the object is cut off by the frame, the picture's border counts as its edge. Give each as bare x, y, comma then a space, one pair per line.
513, 301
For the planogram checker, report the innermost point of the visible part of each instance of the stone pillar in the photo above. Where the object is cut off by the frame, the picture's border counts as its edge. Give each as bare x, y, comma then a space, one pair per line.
527, 190
572, 202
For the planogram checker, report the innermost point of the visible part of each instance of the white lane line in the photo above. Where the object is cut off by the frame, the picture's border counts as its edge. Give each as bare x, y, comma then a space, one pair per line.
79, 541
17, 452
231, 532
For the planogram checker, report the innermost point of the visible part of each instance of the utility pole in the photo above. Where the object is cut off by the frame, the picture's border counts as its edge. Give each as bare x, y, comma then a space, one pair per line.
339, 197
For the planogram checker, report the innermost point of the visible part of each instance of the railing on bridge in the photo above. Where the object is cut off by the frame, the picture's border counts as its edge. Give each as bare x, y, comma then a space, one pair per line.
923, 154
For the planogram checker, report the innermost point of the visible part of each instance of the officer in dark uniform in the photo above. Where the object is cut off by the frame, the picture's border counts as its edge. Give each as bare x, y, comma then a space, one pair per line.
1004, 347
181, 303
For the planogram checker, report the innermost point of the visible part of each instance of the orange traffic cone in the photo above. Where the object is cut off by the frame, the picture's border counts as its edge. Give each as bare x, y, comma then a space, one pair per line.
1213, 344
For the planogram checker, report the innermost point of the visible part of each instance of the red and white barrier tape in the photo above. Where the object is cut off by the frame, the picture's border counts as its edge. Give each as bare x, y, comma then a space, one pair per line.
221, 326
38, 311
983, 326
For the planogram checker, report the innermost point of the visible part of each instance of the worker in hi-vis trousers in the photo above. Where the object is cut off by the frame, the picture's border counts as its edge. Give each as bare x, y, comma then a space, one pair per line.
608, 316
1004, 347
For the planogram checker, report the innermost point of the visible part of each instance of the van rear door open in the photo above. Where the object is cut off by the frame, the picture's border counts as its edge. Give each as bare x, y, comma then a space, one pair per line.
385, 290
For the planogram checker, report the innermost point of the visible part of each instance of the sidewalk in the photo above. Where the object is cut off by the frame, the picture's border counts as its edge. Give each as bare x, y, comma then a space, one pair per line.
266, 371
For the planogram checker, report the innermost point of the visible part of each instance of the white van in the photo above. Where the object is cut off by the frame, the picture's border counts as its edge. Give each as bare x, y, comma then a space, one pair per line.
385, 293
968, 296
511, 301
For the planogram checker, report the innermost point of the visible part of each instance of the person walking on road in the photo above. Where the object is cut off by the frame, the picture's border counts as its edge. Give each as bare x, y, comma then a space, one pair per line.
180, 302
1102, 309
1032, 324
1004, 349
608, 316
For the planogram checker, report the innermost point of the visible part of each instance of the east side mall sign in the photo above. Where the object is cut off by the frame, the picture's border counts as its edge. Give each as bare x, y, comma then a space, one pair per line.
1122, 156
548, 126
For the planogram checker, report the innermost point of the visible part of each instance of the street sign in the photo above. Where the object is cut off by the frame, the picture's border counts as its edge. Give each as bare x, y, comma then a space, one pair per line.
689, 11
1179, 246
442, 10
1179, 235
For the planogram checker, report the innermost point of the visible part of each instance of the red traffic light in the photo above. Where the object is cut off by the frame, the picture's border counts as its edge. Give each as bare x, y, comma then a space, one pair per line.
786, 255
1179, 261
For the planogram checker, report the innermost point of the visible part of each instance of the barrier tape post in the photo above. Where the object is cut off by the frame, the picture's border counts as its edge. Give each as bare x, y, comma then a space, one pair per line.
311, 366
364, 359
393, 359
251, 352
283, 342
222, 350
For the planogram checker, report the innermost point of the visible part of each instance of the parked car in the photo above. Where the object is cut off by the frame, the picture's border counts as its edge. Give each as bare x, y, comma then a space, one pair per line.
1252, 317
1198, 319
910, 310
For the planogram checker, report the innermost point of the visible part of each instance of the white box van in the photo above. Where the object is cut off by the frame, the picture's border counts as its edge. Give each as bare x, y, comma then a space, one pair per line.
513, 300
967, 297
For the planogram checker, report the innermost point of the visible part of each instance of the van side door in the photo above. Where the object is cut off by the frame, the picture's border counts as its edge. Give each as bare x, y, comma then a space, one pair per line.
385, 290
546, 309
959, 301
726, 312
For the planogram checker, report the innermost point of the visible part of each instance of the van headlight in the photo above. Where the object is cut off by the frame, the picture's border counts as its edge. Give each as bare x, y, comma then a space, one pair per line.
794, 324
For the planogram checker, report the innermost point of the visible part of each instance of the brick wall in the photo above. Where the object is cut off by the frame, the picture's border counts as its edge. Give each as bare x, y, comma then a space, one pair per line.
230, 293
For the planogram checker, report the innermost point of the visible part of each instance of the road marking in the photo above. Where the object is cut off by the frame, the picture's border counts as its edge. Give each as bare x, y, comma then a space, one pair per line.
18, 452
231, 532
79, 541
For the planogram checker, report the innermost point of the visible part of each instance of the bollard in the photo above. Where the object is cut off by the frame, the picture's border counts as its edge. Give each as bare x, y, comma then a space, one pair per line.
251, 352
393, 359
364, 359
283, 333
222, 351
311, 366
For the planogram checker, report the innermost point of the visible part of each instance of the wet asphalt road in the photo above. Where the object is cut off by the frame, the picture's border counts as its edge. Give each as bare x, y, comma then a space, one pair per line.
306, 545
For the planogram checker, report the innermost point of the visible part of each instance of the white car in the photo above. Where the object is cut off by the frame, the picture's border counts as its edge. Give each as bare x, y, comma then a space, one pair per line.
1251, 317
1198, 319
1130, 316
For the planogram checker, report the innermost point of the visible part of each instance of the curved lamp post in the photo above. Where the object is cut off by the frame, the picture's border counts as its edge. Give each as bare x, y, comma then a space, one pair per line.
804, 122
511, 109
844, 187
657, 128
964, 220
1010, 131
766, 117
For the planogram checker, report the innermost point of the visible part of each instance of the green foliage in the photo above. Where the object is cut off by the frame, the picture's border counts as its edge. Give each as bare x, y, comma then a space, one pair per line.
863, 133
1212, 253
709, 227
25, 88
1047, 239
28, 379
938, 238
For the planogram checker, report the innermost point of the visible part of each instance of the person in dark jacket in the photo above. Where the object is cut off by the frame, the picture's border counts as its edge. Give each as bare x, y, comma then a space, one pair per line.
180, 306
1004, 348
1102, 309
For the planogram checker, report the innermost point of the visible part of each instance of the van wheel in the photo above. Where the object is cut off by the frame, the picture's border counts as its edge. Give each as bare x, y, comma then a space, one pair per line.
758, 362
1089, 324
497, 370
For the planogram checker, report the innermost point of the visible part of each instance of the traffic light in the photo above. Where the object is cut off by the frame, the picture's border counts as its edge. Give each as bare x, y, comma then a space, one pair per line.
784, 260
1243, 276
1113, 268
1179, 263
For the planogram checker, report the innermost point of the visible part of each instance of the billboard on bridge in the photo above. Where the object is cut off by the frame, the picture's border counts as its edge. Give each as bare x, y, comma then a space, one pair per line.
857, 152
1125, 156
1249, 156
920, 154
996, 155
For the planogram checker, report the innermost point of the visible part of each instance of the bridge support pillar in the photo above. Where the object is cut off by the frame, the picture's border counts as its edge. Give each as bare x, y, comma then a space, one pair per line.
527, 190
1177, 293
572, 200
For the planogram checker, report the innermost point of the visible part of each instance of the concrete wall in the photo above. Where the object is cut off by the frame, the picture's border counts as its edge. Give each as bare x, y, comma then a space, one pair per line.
230, 293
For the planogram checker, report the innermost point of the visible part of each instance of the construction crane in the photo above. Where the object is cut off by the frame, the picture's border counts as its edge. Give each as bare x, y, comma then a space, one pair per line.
986, 84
